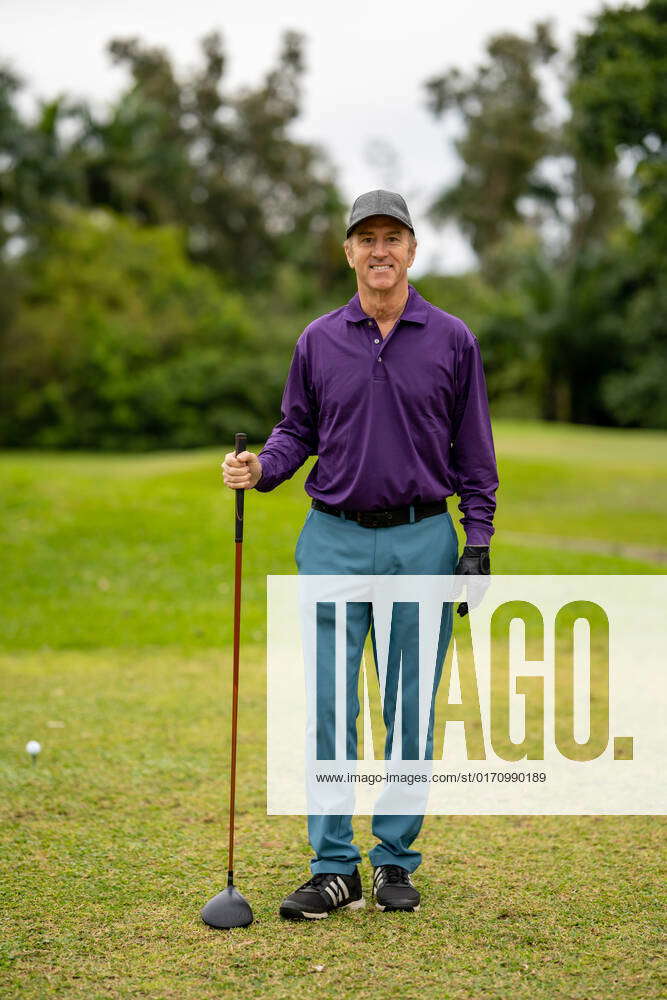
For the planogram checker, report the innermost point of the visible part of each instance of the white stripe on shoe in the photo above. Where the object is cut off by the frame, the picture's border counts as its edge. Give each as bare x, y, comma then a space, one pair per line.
343, 887
331, 890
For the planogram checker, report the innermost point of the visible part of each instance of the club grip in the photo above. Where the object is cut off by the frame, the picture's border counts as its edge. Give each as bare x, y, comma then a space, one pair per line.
240, 444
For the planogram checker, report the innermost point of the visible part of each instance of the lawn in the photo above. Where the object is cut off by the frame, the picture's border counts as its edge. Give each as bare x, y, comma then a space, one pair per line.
115, 655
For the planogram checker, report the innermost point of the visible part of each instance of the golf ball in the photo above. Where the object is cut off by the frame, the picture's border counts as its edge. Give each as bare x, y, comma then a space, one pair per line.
33, 747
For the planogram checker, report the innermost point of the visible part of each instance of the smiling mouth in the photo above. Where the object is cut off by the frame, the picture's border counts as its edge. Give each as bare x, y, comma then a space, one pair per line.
380, 267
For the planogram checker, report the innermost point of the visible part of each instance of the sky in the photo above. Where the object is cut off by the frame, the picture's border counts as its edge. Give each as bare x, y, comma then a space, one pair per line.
363, 88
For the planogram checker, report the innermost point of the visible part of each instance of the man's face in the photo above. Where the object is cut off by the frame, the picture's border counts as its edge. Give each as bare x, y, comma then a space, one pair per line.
380, 250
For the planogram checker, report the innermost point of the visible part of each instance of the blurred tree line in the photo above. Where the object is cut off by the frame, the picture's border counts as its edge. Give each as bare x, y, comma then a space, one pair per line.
158, 259
568, 220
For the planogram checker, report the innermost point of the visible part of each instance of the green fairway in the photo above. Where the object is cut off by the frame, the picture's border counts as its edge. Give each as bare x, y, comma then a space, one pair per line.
116, 838
125, 551
116, 590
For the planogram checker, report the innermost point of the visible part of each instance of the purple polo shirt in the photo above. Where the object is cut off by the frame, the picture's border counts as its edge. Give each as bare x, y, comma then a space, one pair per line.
392, 421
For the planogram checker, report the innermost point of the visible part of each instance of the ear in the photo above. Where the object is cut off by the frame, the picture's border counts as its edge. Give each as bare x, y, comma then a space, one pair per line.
411, 255
348, 253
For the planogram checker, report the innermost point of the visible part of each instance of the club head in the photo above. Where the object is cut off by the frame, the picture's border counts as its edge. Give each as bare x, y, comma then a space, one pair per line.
226, 910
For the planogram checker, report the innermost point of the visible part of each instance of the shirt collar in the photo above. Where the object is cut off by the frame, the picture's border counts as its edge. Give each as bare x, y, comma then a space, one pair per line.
414, 311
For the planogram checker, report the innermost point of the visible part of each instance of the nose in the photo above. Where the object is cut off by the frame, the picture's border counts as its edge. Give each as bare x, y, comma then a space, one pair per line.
379, 250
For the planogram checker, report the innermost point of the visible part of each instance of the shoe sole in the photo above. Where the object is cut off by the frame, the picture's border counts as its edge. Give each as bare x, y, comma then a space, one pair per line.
397, 909
356, 904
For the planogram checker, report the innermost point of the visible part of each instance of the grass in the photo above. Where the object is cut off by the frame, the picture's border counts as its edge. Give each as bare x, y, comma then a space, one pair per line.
115, 655
126, 551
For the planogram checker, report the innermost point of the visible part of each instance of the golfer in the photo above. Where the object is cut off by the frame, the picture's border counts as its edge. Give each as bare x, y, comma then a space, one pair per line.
389, 392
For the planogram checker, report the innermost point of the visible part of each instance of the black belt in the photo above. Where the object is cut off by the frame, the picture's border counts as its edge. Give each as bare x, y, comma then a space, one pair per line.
384, 518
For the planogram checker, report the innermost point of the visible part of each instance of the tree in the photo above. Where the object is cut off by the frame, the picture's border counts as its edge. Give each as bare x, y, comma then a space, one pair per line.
34, 167
591, 302
122, 343
222, 164
619, 100
506, 134
187, 152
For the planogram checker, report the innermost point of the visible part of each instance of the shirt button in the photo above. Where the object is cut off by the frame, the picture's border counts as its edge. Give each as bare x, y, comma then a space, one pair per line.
370, 323
379, 360
377, 340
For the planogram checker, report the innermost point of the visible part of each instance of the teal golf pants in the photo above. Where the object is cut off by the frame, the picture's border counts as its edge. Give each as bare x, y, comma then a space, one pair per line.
334, 546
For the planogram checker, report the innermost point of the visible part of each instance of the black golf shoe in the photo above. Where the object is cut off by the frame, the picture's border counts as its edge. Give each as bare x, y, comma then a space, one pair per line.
322, 894
393, 889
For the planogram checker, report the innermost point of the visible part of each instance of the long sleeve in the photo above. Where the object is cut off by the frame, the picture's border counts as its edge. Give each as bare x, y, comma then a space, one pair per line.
294, 438
473, 455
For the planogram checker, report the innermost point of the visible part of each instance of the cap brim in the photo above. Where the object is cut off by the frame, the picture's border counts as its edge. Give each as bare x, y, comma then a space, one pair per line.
350, 229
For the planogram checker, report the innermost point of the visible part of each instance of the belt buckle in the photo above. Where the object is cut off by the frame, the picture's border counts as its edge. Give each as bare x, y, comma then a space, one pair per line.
379, 518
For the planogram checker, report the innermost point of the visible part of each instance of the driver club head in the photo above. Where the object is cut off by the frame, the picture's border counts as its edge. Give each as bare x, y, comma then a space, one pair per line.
226, 910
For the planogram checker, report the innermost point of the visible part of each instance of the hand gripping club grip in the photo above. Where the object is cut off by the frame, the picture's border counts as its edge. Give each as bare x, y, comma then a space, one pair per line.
240, 444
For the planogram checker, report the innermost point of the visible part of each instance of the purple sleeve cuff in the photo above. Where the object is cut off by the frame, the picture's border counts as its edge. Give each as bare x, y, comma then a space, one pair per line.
479, 535
267, 481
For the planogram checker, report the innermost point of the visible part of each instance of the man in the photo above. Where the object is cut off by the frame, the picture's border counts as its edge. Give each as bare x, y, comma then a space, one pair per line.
389, 393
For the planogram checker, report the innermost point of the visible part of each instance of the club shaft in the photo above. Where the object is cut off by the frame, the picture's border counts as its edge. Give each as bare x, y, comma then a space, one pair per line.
240, 445
238, 560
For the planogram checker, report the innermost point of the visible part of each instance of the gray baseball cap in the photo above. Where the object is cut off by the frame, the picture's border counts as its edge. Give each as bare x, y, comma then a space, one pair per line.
379, 203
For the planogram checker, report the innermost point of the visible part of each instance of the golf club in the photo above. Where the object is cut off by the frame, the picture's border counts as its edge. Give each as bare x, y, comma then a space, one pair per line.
229, 908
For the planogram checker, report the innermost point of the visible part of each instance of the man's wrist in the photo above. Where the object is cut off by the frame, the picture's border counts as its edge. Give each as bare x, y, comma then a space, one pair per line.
265, 482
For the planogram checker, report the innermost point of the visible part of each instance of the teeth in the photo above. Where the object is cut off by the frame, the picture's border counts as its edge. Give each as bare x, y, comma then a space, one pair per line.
380, 267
